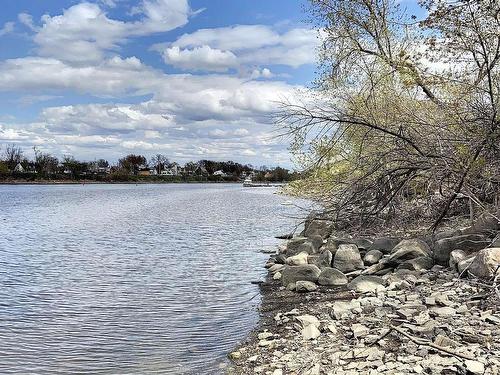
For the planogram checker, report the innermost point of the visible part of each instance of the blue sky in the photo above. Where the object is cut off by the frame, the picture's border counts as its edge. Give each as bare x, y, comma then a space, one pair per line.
189, 79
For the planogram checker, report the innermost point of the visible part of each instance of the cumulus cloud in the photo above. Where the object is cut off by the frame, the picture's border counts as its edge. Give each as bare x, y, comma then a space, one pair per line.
221, 48
84, 32
7, 28
200, 58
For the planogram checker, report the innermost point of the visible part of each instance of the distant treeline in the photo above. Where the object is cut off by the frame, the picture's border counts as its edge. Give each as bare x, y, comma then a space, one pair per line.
15, 165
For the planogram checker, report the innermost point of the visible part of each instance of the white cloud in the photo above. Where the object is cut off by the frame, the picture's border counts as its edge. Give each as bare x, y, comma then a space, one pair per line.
200, 58
221, 48
7, 28
27, 20
84, 33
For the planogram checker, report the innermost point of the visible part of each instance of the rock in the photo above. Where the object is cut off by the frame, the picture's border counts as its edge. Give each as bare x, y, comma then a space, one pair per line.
278, 371
384, 244
277, 276
342, 308
496, 241
295, 242
444, 312
359, 330
442, 340
235, 355
280, 259
324, 259
372, 257
409, 249
306, 272
418, 264
306, 320
305, 286
456, 256
467, 242
276, 268
347, 258
264, 335
317, 226
485, 263
316, 240
332, 277
297, 260
464, 264
366, 284
305, 247
315, 370
474, 367
310, 332
361, 243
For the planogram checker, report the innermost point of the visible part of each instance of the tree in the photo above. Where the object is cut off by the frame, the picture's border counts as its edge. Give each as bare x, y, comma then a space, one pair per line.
12, 156
394, 130
74, 167
45, 164
159, 162
131, 163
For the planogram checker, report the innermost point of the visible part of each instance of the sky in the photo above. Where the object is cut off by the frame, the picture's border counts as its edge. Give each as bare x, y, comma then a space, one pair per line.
189, 79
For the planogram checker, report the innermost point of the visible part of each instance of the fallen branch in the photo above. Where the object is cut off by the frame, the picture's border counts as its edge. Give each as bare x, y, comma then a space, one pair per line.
420, 341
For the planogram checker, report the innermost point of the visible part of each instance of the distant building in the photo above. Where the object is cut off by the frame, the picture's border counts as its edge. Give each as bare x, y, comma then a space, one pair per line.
220, 173
19, 168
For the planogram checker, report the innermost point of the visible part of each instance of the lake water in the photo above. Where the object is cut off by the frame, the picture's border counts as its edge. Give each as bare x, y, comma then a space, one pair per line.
126, 279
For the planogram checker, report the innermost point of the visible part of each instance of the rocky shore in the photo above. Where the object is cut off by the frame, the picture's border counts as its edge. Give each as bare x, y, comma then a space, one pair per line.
341, 305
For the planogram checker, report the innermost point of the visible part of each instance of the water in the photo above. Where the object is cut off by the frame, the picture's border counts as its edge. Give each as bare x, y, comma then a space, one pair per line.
126, 279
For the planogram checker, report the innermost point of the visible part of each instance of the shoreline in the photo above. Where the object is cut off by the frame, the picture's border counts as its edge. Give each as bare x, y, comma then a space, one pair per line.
92, 182
415, 321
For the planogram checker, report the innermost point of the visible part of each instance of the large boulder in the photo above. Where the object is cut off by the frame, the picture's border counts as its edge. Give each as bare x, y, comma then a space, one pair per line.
332, 277
409, 249
324, 259
486, 263
418, 264
295, 242
297, 260
305, 247
316, 240
384, 244
366, 284
347, 258
372, 257
467, 242
318, 226
306, 272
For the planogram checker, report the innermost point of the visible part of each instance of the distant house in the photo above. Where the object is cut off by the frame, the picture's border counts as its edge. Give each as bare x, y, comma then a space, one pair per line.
19, 168
146, 171
172, 170
219, 173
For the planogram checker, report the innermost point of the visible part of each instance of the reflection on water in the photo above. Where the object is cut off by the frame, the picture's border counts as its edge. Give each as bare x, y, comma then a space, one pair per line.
125, 279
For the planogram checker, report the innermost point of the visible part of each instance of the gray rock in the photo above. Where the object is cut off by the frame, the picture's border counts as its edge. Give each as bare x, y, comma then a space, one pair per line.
305, 286
418, 264
384, 244
409, 249
467, 242
292, 274
372, 257
456, 256
366, 284
297, 260
295, 242
486, 263
332, 277
464, 264
347, 258
324, 259
317, 226
280, 259
305, 247
316, 240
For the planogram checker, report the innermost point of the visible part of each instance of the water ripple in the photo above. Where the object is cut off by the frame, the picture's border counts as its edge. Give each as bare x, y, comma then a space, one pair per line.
128, 279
